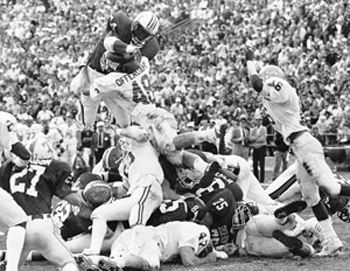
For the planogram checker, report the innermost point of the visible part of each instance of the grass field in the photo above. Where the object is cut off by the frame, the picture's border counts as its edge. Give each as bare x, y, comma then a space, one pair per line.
339, 263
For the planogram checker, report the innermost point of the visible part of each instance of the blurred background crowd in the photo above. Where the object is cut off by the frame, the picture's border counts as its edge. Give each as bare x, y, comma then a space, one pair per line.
199, 75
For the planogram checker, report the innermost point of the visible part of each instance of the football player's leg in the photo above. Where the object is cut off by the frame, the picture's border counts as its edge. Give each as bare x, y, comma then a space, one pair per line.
43, 236
265, 247
88, 110
121, 115
145, 199
81, 242
285, 188
118, 210
264, 225
15, 218
252, 189
307, 175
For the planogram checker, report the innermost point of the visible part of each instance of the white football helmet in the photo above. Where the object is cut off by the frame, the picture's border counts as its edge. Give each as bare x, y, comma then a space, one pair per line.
271, 71
144, 27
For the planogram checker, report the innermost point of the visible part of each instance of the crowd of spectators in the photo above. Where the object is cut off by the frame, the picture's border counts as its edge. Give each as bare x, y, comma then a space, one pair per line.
200, 73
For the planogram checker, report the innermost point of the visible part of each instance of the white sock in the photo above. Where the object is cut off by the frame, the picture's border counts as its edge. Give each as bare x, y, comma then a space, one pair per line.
200, 165
70, 267
99, 229
14, 243
327, 228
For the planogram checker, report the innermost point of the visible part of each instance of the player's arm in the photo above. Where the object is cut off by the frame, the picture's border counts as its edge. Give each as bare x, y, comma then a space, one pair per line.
189, 258
254, 78
136, 133
112, 42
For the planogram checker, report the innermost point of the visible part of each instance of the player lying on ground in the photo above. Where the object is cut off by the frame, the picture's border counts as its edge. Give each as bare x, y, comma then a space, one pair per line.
157, 245
142, 178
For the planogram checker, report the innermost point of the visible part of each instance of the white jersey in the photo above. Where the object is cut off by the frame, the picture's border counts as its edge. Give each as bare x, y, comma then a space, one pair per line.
283, 106
141, 160
122, 92
8, 126
175, 235
29, 133
69, 134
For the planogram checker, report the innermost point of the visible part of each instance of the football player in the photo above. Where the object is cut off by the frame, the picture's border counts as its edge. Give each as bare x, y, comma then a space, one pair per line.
263, 235
119, 50
113, 75
11, 214
188, 240
142, 178
33, 187
282, 105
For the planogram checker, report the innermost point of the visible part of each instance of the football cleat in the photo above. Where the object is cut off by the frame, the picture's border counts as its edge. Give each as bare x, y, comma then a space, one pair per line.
332, 247
85, 264
293, 207
296, 246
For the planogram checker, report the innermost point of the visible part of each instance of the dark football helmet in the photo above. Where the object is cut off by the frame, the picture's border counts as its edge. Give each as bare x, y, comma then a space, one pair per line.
144, 27
97, 193
196, 209
84, 179
243, 213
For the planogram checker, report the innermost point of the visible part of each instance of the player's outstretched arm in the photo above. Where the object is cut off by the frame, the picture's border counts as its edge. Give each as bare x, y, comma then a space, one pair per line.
254, 78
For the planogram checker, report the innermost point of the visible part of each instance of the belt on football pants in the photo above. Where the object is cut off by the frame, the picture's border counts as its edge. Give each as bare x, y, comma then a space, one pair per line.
294, 136
39, 216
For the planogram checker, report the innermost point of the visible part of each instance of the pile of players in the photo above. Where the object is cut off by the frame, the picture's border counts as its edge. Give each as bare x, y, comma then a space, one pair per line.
152, 200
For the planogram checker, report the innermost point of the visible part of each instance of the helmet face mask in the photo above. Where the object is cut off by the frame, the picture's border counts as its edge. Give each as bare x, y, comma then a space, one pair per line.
241, 216
188, 178
143, 28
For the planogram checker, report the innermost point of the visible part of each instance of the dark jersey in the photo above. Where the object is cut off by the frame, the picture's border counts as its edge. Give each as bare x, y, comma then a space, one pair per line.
119, 25
220, 230
34, 186
169, 210
73, 220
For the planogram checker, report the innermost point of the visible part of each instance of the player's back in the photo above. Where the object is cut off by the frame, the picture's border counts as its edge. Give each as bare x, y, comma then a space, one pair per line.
142, 160
282, 105
121, 25
70, 219
176, 234
34, 186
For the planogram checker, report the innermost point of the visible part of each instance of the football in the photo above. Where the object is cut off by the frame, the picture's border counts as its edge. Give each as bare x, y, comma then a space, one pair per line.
97, 193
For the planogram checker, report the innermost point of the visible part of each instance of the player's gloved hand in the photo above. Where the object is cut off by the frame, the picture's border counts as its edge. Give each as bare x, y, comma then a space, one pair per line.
249, 53
135, 51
